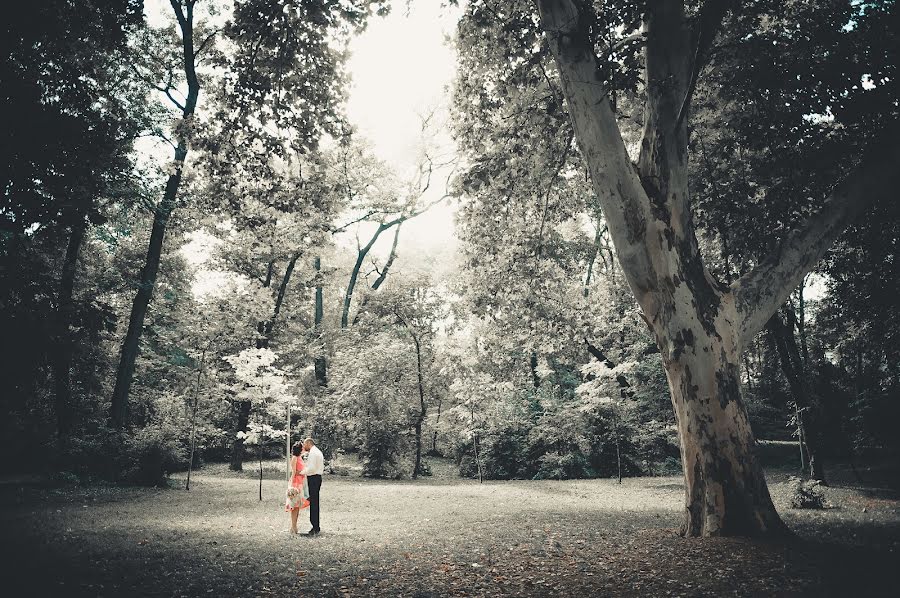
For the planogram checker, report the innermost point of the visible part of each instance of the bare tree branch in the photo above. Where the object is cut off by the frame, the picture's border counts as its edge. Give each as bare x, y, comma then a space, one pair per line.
616, 183
168, 91
344, 227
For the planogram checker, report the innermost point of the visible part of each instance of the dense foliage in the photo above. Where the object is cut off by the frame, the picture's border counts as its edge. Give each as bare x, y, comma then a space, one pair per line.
281, 309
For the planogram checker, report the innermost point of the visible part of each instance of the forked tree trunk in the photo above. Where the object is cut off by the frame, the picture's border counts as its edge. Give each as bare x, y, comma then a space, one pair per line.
725, 490
357, 266
700, 324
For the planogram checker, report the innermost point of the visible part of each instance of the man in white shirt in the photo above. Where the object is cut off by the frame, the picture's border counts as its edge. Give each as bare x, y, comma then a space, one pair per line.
315, 466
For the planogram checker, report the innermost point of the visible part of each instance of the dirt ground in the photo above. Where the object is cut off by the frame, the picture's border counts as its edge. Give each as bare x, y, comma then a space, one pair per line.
439, 536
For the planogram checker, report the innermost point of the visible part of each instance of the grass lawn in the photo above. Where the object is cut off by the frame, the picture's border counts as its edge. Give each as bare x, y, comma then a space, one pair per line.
437, 536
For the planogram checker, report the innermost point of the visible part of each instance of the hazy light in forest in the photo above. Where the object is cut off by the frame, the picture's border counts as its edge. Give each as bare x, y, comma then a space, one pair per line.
402, 67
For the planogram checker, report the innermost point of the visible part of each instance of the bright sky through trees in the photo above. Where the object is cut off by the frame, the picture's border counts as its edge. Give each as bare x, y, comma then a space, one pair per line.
401, 67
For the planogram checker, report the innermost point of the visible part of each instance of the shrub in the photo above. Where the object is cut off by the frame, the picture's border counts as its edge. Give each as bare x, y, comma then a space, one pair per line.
502, 452
153, 454
465, 459
806, 494
671, 466
563, 467
101, 455
425, 469
381, 447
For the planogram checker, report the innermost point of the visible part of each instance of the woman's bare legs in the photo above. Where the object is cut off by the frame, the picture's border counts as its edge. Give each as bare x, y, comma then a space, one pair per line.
294, 514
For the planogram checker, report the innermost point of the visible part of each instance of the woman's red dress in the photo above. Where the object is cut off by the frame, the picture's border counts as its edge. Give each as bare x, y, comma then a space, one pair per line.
297, 494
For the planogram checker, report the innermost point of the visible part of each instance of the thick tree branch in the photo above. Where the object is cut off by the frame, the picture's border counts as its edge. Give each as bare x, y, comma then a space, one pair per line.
598, 354
167, 89
390, 261
627, 40
602, 358
760, 292
616, 183
282, 290
667, 59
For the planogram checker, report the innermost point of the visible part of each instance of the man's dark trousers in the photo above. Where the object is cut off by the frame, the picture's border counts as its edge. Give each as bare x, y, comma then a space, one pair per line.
315, 484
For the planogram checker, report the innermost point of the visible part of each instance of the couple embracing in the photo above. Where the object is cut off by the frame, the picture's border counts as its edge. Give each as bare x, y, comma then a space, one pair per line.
307, 465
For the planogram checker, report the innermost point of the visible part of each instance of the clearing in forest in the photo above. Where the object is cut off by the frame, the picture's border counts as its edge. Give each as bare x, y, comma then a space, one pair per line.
431, 537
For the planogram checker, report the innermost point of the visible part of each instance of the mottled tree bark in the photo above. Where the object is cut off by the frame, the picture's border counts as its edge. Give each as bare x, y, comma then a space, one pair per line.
700, 324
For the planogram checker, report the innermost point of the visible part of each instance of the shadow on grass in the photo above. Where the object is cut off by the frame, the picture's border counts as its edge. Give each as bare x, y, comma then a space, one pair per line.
422, 538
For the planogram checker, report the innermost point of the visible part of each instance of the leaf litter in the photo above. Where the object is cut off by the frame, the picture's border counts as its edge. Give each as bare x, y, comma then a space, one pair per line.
433, 537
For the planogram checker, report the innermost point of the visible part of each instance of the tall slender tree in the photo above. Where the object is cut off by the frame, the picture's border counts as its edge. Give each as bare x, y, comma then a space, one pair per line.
184, 13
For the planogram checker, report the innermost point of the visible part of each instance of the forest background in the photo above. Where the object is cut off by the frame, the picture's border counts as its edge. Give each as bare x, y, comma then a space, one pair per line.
253, 287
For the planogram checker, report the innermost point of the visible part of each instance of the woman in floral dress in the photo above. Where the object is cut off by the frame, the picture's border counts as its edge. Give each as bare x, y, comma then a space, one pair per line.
297, 494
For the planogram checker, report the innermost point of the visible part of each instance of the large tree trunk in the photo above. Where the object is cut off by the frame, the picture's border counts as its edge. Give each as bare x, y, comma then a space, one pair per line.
130, 345
700, 324
161, 215
725, 490
282, 291
64, 345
